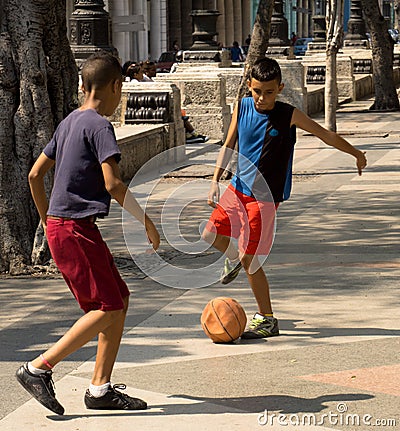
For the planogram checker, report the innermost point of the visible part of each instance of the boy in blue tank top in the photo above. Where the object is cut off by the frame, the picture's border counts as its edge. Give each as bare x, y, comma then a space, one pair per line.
265, 130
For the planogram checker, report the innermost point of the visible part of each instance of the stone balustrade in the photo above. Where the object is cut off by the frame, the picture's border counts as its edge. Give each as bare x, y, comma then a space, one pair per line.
203, 95
207, 92
141, 139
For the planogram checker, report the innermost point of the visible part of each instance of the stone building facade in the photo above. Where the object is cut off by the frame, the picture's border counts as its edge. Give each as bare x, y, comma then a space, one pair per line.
154, 25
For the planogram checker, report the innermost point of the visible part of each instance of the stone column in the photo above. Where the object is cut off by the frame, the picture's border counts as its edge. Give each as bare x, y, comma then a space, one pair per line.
122, 40
278, 42
175, 22
155, 29
299, 17
319, 28
309, 23
90, 30
197, 5
221, 22
141, 45
345, 78
229, 25
356, 36
237, 21
210, 5
205, 29
246, 24
186, 25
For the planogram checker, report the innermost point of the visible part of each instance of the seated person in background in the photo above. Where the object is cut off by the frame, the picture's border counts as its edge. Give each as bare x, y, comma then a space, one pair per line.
150, 70
192, 137
125, 67
236, 52
134, 73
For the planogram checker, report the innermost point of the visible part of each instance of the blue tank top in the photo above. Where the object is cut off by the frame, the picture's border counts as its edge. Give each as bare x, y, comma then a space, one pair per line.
265, 151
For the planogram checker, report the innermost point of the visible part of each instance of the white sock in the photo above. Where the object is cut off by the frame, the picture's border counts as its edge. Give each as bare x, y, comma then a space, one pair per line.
35, 371
234, 261
263, 316
99, 391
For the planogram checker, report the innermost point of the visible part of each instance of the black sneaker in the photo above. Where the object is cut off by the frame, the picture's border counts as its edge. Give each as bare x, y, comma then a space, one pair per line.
195, 138
41, 387
229, 273
261, 327
114, 400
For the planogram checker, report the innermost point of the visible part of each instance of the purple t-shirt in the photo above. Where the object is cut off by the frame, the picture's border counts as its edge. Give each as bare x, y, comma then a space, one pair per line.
82, 141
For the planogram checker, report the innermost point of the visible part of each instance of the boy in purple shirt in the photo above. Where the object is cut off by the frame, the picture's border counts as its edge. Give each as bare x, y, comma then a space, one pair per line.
86, 155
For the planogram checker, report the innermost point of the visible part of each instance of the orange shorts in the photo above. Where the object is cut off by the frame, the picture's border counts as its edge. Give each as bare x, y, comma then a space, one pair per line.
242, 217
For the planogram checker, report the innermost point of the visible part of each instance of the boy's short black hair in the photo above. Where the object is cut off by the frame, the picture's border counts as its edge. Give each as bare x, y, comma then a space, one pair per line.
99, 70
266, 69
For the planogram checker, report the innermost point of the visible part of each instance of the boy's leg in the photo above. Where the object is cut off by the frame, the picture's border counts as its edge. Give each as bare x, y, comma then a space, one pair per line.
109, 341
222, 243
101, 395
232, 265
39, 383
263, 324
83, 330
258, 283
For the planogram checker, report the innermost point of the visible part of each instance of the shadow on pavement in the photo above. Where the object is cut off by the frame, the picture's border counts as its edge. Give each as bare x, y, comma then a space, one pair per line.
284, 404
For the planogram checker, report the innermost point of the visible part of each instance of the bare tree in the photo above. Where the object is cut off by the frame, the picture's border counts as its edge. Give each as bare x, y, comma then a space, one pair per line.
396, 7
38, 88
334, 40
259, 41
386, 98
257, 49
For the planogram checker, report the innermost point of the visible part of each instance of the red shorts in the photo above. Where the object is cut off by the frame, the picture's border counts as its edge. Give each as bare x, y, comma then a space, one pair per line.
86, 264
242, 217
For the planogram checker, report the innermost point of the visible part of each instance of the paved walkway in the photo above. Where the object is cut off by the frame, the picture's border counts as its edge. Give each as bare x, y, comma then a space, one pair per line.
334, 274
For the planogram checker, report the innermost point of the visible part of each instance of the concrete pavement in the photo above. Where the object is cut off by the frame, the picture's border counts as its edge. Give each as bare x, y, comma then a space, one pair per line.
334, 275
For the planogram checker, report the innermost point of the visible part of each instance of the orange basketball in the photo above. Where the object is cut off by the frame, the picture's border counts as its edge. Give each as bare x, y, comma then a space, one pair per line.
223, 320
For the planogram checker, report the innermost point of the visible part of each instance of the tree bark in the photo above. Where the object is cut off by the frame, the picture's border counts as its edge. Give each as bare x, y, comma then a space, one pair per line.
386, 98
334, 40
38, 88
257, 49
259, 42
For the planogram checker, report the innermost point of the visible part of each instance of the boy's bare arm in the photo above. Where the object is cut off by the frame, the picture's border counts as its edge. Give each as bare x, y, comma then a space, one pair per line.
222, 161
120, 192
301, 120
225, 155
36, 182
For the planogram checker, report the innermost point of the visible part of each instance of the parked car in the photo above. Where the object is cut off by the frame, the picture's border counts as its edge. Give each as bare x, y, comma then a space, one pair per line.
300, 46
165, 62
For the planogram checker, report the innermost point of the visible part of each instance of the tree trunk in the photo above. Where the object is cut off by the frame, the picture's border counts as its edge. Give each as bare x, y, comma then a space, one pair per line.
334, 40
386, 98
396, 8
259, 42
257, 49
38, 88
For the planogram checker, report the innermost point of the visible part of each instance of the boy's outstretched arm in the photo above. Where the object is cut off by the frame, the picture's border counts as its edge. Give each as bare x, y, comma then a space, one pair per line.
224, 156
301, 120
36, 183
120, 192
